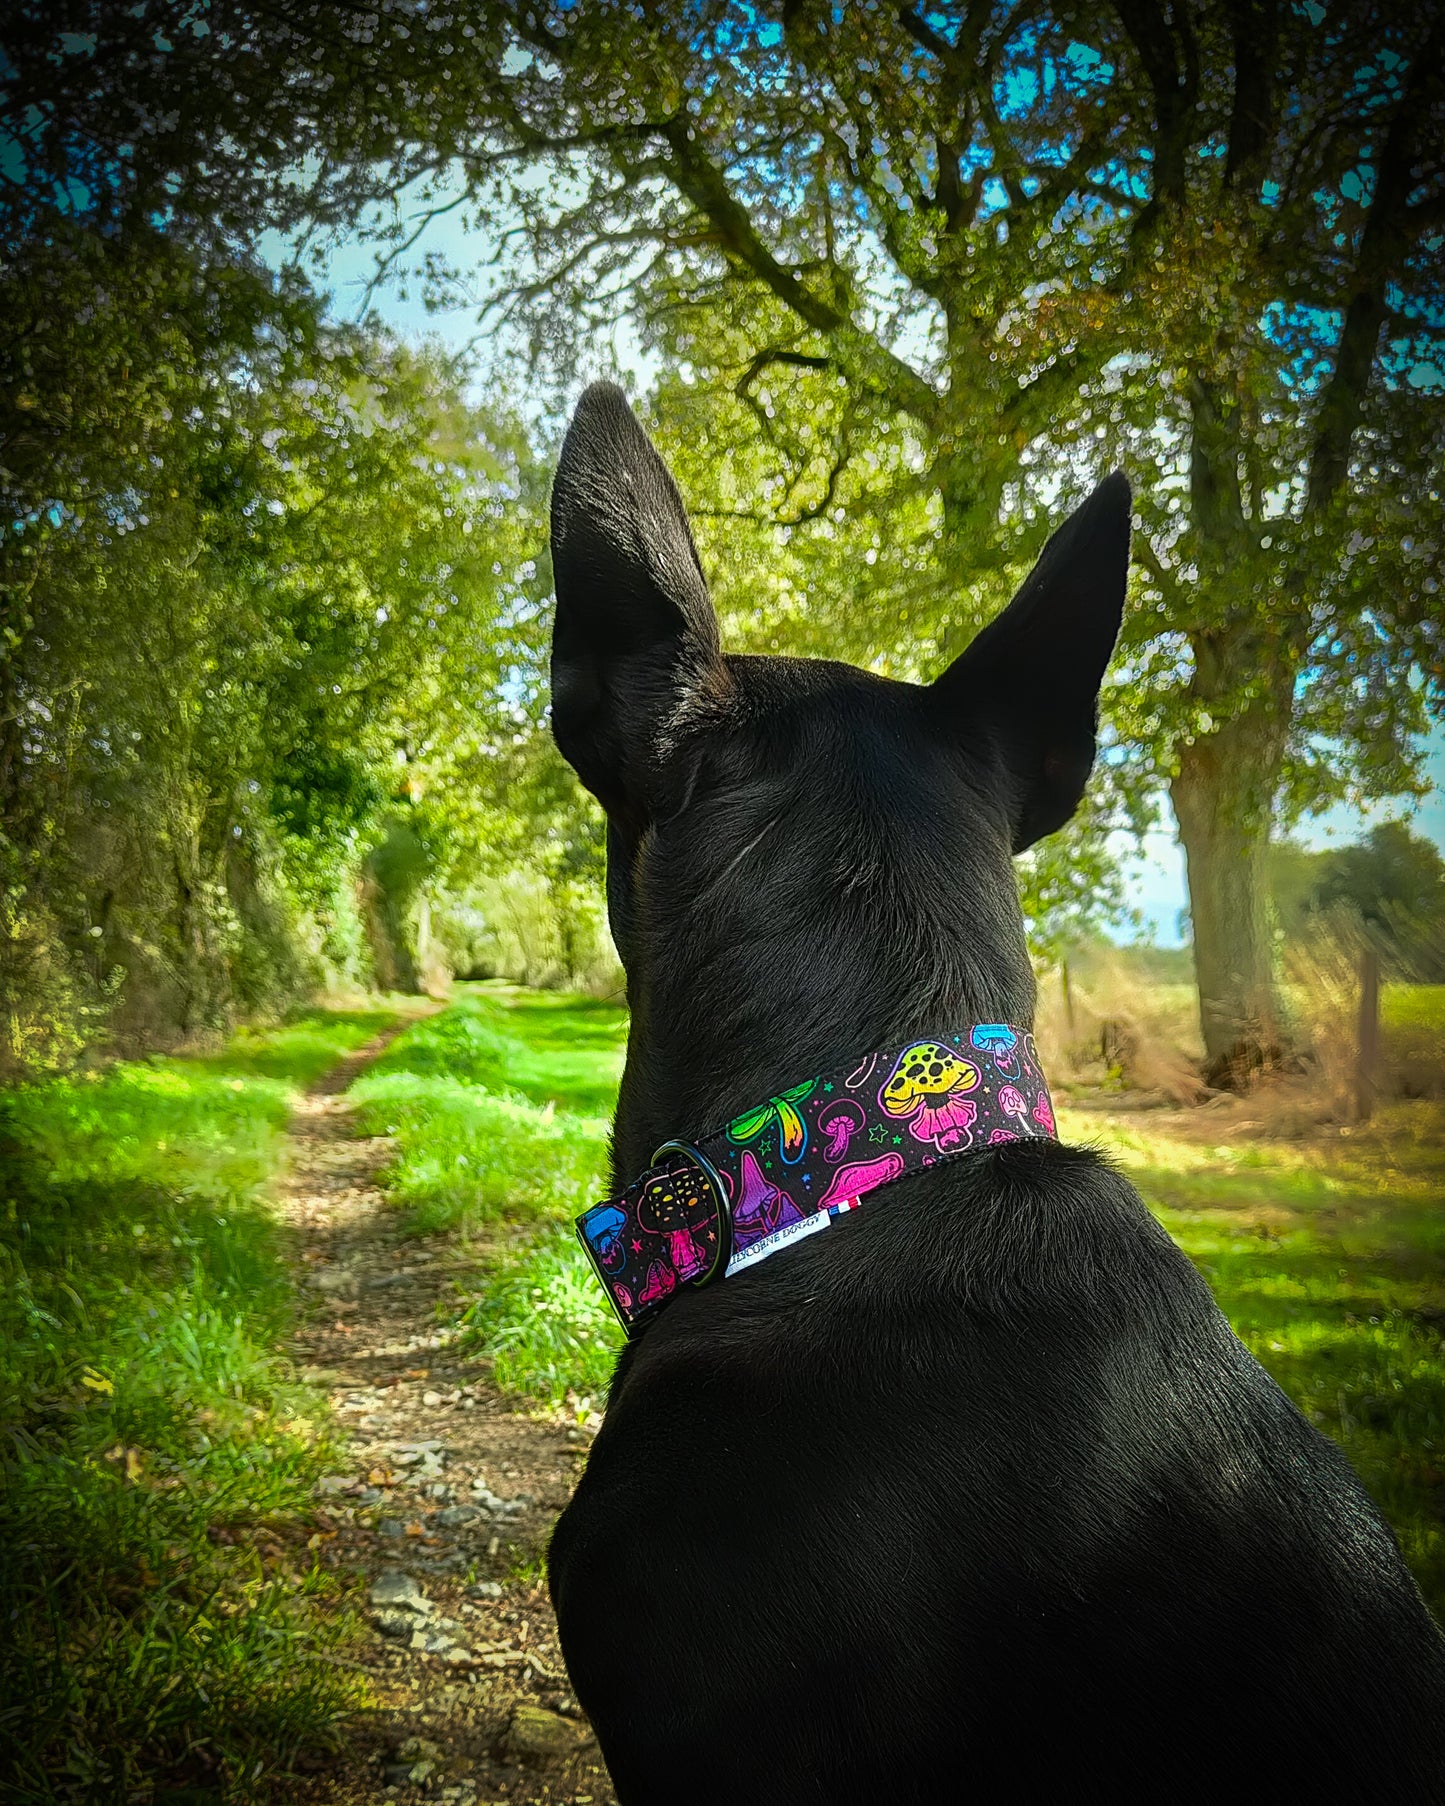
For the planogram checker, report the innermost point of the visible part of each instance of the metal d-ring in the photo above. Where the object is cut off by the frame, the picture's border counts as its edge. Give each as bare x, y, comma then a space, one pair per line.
720, 1198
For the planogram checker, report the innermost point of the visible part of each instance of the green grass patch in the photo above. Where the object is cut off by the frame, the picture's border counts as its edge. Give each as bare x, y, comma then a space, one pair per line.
147, 1418
1327, 1255
499, 1107
1413, 1038
1422, 1007
544, 1322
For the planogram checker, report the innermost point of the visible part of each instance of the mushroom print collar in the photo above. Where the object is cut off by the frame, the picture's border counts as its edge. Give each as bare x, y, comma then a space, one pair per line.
786, 1168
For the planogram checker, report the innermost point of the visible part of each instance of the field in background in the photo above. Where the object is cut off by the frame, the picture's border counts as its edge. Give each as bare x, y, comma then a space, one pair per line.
1325, 1245
1128, 1017
1326, 1251
147, 1416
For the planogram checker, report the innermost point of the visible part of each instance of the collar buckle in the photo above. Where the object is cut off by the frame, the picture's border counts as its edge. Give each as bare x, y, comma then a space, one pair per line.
671, 1227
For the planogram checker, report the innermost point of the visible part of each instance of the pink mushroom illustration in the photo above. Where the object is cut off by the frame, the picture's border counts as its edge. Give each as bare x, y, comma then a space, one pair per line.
850, 1182
928, 1085
660, 1282
1044, 1113
840, 1122
949, 1126
1011, 1101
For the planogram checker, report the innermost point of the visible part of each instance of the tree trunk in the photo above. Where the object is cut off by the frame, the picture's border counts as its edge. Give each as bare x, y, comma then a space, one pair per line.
1223, 799
1229, 767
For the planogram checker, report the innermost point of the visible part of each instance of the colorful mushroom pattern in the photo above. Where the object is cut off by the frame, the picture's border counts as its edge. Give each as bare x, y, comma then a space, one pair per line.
786, 1167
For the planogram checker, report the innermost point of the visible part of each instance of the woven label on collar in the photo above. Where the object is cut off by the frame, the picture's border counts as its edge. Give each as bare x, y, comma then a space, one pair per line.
788, 1166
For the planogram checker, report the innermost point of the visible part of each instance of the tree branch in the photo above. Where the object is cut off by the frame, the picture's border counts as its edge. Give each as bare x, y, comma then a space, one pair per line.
1384, 244
1153, 36
701, 183
1254, 28
775, 354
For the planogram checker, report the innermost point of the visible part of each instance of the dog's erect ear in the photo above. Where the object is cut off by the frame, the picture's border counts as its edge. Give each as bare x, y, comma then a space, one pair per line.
635, 632
1031, 678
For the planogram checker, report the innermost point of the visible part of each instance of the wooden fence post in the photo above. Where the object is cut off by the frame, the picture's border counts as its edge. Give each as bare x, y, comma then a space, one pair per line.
1367, 1048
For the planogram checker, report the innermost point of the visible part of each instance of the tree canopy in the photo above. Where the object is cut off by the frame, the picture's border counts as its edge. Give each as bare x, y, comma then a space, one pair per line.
915, 276
263, 576
1390, 884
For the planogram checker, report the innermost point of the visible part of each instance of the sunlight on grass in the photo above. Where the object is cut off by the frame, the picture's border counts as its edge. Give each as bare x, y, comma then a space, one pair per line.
468, 1157
1326, 1252
146, 1412
543, 1321
499, 1112
498, 1107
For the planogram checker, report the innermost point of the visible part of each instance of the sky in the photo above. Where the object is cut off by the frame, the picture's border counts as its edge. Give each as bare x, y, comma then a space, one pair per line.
1154, 874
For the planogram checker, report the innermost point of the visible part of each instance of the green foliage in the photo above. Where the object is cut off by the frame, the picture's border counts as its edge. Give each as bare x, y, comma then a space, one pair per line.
146, 1418
914, 278
531, 925
1391, 884
313, 545
544, 1323
1391, 870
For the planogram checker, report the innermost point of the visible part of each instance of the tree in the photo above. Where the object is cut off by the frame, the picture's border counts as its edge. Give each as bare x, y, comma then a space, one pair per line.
1204, 240
1391, 870
1392, 882
994, 249
261, 573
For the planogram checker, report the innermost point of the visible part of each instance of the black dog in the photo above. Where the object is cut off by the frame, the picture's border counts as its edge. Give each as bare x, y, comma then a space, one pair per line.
976, 1497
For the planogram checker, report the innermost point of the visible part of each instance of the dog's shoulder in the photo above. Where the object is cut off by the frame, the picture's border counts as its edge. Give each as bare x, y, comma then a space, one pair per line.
965, 1247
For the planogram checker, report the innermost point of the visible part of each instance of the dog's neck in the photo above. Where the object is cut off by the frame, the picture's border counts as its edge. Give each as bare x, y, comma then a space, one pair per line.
722, 1019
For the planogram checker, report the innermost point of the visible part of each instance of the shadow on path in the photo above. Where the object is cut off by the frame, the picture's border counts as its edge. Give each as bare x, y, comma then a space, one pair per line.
438, 1519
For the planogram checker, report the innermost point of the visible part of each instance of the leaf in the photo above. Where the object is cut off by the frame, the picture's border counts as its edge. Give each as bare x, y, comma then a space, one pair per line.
750, 1123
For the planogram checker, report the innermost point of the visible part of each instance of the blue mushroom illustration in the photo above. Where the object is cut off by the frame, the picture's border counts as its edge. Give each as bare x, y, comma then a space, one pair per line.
604, 1231
1000, 1043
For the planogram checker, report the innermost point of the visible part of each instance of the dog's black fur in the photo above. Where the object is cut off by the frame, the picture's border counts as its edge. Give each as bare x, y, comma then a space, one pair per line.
975, 1497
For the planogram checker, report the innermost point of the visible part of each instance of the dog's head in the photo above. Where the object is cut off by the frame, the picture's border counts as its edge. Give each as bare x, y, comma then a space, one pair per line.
798, 849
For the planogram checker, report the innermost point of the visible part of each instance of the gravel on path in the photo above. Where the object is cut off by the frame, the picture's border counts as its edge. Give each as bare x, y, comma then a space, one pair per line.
437, 1521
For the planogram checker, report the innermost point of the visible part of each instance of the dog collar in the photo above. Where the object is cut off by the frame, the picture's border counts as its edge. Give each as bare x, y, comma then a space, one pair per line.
784, 1169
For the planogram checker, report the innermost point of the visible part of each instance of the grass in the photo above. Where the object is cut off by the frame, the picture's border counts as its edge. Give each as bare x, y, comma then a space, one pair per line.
499, 1108
152, 1651
1327, 1253
1415, 1008
1412, 1020
543, 1321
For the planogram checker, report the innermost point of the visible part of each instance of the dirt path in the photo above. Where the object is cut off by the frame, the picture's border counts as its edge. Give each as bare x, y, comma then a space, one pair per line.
441, 1512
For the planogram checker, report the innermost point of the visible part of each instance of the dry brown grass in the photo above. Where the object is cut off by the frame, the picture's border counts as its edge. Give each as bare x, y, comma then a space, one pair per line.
1108, 1025
1117, 1027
